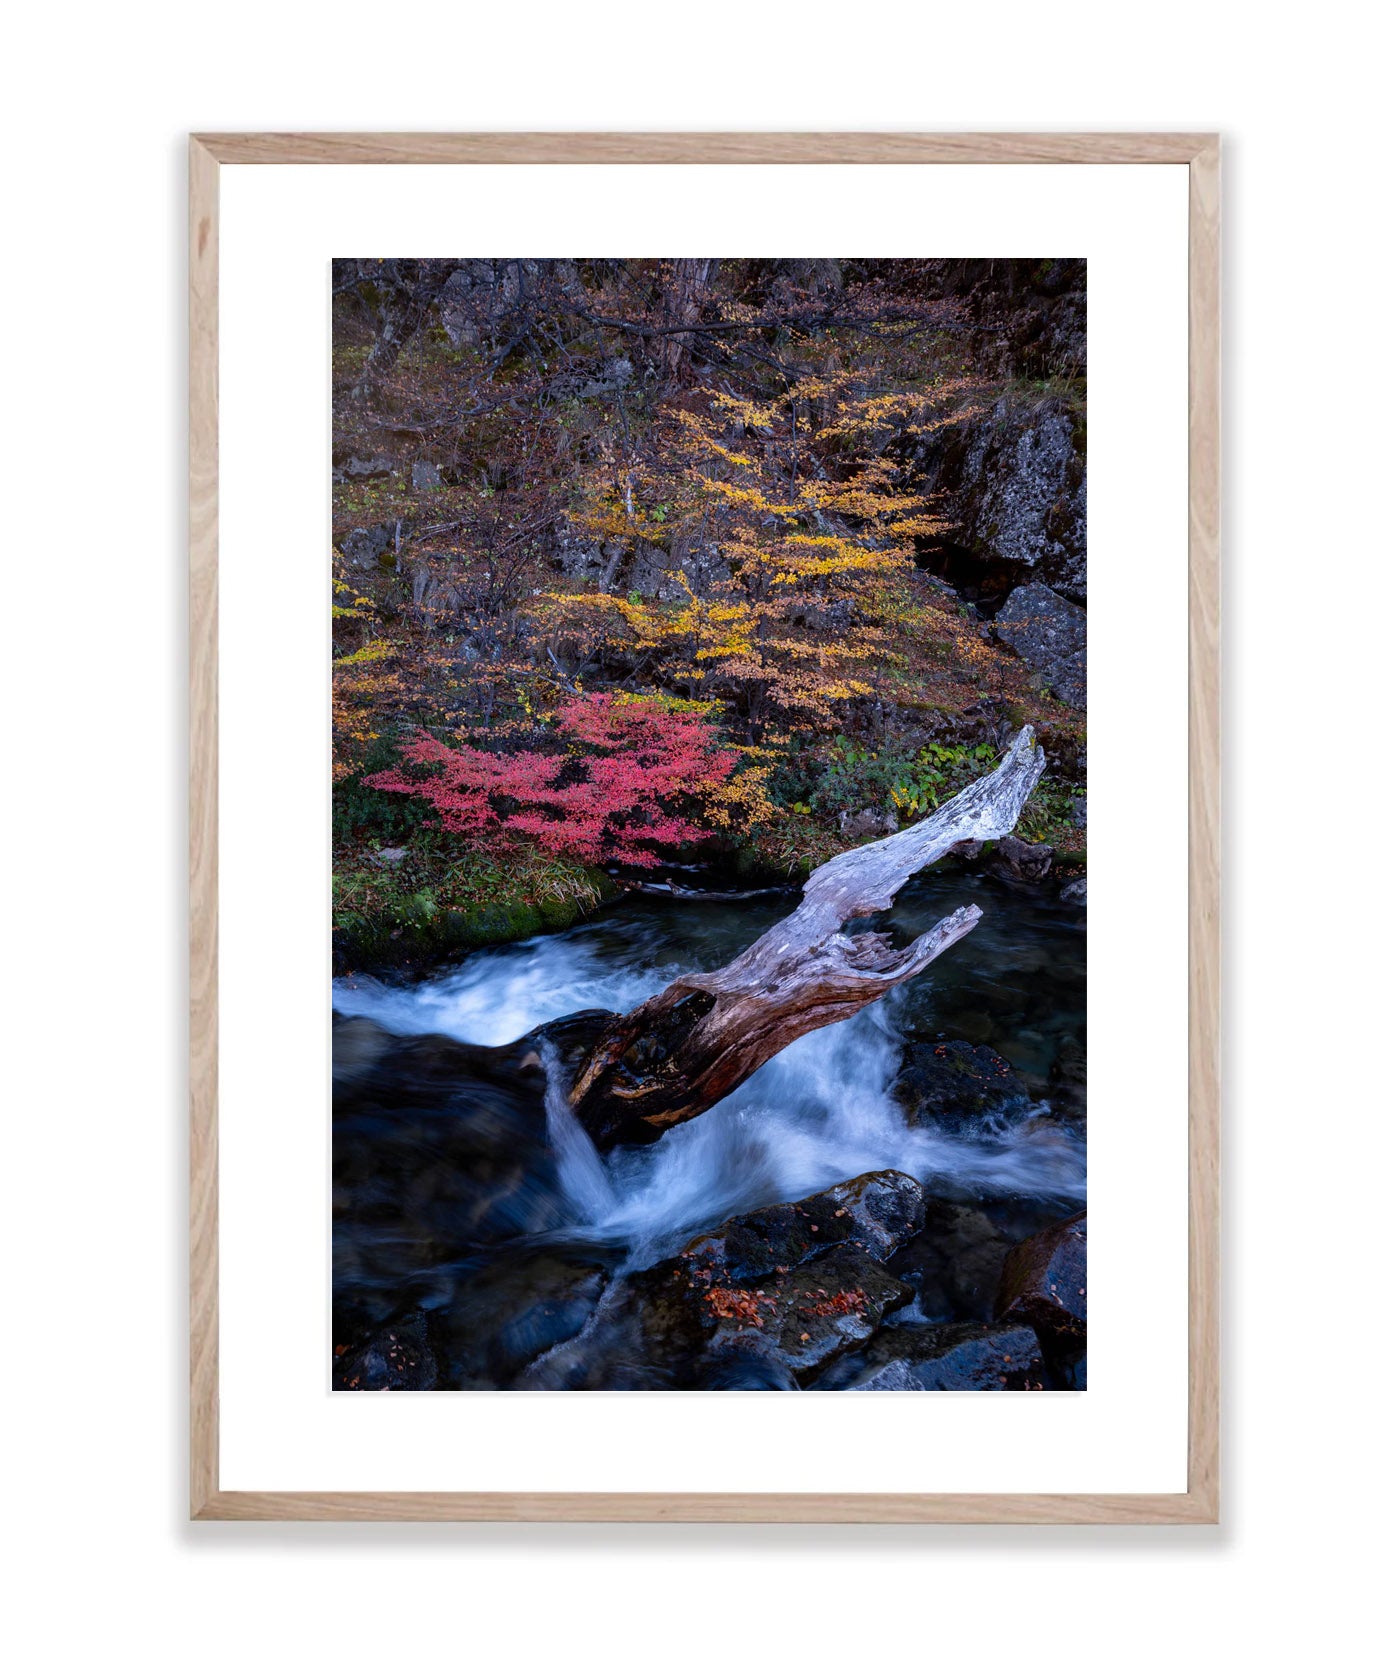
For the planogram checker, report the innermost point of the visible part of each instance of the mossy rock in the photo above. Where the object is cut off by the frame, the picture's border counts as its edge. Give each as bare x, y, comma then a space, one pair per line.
368, 941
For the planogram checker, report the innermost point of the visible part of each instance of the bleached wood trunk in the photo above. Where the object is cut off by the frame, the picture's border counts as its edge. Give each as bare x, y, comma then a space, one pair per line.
678, 1053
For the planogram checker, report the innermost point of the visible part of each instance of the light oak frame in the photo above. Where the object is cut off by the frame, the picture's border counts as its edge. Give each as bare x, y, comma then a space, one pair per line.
1200, 154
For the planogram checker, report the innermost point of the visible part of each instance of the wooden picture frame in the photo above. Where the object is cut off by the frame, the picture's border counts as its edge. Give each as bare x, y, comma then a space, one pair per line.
1200, 154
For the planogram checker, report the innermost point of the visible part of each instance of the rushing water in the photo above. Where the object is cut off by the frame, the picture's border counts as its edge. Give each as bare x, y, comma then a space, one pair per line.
822, 1110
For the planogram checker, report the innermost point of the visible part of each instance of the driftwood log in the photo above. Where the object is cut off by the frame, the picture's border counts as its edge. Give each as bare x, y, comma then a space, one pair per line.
678, 1053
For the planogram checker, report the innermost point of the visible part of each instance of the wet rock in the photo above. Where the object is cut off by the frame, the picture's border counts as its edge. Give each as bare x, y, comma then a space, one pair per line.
1045, 1279
1069, 1082
438, 1151
878, 1212
630, 1342
1051, 635
885, 1208
944, 1357
1019, 860
1076, 893
747, 1361
767, 1300
807, 1317
952, 1083
510, 1311
1067, 1362
357, 1043
955, 1262
398, 1356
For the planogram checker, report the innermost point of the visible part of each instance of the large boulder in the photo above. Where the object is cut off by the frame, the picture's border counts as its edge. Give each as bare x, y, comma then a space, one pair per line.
951, 1084
958, 1357
1011, 484
1051, 635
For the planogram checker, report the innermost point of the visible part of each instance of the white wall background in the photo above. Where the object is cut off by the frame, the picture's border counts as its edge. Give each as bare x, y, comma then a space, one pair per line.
106, 1571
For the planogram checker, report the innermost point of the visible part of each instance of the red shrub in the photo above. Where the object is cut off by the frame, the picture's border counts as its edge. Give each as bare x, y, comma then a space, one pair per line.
605, 797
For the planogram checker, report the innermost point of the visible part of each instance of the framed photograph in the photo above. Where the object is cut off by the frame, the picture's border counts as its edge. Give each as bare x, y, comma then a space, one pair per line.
653, 1049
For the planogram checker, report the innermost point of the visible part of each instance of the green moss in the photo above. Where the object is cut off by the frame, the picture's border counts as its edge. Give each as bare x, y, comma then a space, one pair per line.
432, 902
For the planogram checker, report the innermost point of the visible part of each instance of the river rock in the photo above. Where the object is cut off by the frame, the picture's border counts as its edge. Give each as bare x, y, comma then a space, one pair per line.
746, 1361
398, 1356
766, 1300
1076, 893
955, 1262
946, 1357
806, 1317
1019, 860
952, 1083
1069, 1081
357, 1043
877, 1212
510, 1311
1051, 635
439, 1150
1045, 1279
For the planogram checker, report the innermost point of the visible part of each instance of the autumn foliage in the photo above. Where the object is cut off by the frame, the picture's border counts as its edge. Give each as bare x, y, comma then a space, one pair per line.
629, 553
629, 776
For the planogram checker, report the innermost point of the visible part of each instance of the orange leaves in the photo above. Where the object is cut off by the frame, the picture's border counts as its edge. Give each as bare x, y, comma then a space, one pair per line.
740, 1304
821, 1305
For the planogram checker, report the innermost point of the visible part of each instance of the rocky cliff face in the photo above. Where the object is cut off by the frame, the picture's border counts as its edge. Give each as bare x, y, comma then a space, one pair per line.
1011, 480
1012, 486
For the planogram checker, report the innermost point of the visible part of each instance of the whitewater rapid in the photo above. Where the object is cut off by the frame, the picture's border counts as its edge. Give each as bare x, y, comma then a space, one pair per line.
819, 1112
